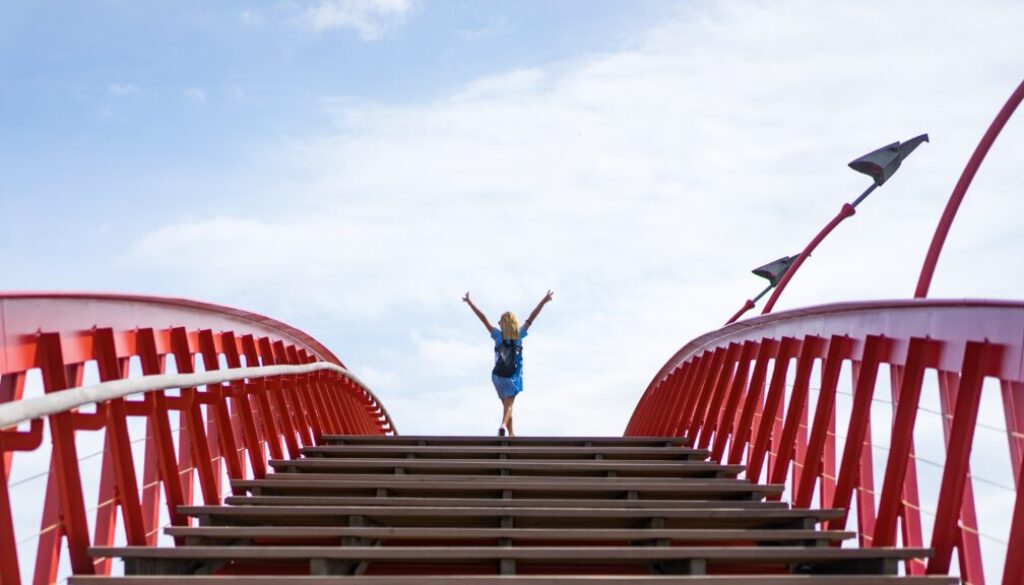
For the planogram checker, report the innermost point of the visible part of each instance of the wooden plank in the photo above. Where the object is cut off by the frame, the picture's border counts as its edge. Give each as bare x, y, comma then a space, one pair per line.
523, 517
493, 501
492, 440
433, 533
509, 451
525, 467
775, 554
718, 487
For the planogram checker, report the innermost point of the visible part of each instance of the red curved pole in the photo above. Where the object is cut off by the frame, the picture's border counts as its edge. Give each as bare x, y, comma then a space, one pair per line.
749, 304
924, 281
846, 211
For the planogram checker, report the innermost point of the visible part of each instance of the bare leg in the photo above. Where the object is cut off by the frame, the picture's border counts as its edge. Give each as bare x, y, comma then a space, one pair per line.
506, 420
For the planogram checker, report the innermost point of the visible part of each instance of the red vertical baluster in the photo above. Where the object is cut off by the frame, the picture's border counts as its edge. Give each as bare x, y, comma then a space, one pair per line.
722, 384
920, 352
347, 406
262, 387
649, 417
683, 389
704, 365
670, 387
909, 508
732, 402
866, 490
968, 543
811, 346
696, 410
65, 458
1013, 570
1013, 411
8, 544
787, 349
765, 351
829, 473
51, 532
12, 388
864, 387
117, 458
301, 410
329, 406
224, 422
824, 416
304, 386
800, 451
276, 392
162, 439
244, 408
193, 414
956, 500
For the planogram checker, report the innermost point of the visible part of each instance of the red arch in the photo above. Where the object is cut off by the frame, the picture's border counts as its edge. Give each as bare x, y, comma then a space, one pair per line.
924, 281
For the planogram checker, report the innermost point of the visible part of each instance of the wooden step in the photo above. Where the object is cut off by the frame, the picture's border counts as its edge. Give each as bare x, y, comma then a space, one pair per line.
196, 535
479, 486
508, 452
521, 517
424, 440
520, 580
529, 467
495, 501
725, 487
506, 511
342, 560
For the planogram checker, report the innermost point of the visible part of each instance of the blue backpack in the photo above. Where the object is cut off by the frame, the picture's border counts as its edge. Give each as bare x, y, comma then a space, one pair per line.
506, 358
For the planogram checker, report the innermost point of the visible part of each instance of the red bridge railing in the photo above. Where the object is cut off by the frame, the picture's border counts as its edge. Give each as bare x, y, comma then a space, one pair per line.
745, 392
223, 431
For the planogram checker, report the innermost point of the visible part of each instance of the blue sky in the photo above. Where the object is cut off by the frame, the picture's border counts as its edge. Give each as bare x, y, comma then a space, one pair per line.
124, 114
353, 167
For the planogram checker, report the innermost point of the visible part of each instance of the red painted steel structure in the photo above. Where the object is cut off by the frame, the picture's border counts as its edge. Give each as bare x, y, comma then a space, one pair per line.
714, 390
222, 427
924, 281
708, 391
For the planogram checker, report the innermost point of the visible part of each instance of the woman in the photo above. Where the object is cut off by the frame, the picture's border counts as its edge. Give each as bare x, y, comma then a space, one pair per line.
508, 356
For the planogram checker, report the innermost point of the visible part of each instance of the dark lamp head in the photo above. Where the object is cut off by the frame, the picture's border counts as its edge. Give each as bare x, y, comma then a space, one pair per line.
882, 163
774, 271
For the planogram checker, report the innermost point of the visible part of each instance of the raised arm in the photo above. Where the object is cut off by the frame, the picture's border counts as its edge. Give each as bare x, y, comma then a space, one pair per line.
529, 320
479, 313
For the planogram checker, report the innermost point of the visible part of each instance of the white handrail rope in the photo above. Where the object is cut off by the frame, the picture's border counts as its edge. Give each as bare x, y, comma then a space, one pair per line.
17, 412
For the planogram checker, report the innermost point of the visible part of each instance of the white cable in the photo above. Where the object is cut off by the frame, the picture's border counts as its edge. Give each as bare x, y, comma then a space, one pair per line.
15, 413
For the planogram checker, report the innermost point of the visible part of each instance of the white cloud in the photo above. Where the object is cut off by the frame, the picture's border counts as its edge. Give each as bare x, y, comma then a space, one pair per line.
371, 19
251, 18
120, 89
195, 95
491, 27
641, 185
503, 86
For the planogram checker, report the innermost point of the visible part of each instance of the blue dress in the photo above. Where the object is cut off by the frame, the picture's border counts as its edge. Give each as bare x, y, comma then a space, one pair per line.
507, 387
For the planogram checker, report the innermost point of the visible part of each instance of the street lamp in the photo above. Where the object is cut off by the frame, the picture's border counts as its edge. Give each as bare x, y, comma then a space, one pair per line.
878, 164
773, 272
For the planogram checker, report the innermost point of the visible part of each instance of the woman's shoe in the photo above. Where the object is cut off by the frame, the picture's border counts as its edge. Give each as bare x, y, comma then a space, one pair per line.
501, 431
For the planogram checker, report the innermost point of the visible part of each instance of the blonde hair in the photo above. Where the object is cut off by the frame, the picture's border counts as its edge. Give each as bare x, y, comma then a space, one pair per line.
509, 326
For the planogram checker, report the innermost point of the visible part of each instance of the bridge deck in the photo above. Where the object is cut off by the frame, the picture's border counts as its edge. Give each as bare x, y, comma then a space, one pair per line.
482, 511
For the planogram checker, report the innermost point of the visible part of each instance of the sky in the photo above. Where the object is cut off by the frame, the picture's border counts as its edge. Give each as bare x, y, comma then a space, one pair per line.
354, 167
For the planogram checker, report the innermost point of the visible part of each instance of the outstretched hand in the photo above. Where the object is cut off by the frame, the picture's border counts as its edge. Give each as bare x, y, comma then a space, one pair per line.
465, 299
549, 296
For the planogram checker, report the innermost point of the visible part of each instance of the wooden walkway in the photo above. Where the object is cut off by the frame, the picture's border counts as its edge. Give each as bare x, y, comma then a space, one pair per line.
488, 511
